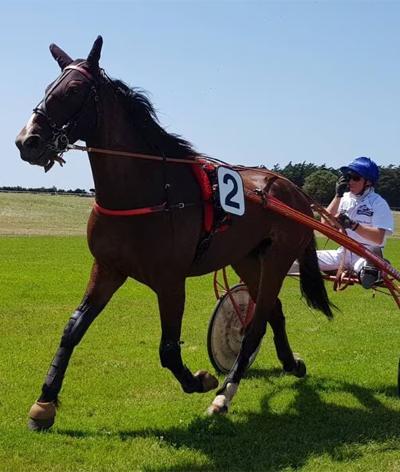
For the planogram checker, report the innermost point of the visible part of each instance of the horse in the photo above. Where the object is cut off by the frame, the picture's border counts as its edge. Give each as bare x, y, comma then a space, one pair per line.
148, 224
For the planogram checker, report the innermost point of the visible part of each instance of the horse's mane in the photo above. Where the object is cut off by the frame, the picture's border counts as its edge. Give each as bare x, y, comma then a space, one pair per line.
144, 117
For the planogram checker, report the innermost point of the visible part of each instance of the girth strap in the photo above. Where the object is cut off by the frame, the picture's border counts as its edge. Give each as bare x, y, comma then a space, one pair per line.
136, 211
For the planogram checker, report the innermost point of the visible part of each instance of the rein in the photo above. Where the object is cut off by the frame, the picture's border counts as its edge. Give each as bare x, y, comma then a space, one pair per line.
61, 145
76, 147
136, 211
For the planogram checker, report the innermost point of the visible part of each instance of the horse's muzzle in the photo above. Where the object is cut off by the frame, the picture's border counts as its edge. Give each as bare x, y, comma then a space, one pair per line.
33, 149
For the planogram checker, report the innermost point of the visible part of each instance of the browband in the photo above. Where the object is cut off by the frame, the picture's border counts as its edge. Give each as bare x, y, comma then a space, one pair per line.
82, 70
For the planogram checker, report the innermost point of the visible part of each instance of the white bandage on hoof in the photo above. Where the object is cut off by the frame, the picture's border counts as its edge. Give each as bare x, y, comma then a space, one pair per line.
219, 406
221, 402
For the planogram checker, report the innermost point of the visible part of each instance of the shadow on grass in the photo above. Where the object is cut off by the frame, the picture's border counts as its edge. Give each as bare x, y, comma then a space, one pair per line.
312, 425
257, 373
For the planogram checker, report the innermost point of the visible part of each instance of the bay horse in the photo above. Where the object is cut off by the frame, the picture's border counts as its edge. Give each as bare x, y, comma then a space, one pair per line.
147, 224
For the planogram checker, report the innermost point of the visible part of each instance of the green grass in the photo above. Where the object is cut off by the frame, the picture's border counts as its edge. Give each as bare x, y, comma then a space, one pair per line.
43, 214
122, 412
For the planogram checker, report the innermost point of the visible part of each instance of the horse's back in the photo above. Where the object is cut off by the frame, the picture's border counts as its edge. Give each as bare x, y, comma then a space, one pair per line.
259, 224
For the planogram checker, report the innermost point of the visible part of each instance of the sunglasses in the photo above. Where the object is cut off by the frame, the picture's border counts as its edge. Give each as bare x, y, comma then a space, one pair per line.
354, 177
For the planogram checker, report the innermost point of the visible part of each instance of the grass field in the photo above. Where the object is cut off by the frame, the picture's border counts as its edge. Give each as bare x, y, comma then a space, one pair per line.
28, 214
122, 412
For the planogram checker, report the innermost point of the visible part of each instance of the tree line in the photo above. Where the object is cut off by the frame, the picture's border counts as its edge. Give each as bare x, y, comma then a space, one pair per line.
318, 181
52, 190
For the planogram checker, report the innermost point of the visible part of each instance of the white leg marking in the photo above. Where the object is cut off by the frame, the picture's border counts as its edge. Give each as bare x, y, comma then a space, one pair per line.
221, 402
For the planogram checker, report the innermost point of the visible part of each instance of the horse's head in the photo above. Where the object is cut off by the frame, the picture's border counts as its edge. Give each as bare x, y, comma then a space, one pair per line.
68, 111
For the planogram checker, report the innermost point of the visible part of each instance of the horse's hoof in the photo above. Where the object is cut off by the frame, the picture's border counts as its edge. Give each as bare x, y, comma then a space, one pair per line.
41, 416
208, 381
299, 370
213, 410
218, 407
40, 425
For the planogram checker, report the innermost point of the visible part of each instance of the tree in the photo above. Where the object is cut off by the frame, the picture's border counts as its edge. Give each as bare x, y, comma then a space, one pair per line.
320, 185
388, 185
297, 173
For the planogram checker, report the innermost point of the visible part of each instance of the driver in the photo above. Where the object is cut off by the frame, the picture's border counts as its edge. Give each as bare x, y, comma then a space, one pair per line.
364, 214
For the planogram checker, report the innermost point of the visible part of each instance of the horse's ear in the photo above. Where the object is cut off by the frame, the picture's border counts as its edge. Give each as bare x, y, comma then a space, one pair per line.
60, 56
94, 55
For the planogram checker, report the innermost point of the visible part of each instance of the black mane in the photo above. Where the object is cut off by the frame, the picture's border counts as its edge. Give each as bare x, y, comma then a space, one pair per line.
145, 118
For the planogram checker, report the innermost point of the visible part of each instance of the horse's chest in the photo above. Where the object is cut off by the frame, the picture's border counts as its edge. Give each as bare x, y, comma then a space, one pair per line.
141, 247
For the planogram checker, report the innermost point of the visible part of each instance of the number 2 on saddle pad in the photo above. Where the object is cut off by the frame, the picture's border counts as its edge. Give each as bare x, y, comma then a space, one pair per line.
231, 193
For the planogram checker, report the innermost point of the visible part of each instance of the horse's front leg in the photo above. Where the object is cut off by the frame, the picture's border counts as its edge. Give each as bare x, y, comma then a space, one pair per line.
171, 303
103, 283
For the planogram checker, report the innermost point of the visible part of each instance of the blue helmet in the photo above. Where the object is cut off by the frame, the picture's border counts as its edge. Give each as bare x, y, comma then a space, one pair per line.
363, 166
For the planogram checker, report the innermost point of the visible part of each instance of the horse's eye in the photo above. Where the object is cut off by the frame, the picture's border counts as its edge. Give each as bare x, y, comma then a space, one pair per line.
73, 88
71, 91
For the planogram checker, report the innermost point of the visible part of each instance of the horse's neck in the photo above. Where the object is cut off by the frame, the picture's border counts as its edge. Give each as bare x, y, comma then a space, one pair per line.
124, 182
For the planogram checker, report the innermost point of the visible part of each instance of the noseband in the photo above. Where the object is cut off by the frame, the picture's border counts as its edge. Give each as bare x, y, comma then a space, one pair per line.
60, 139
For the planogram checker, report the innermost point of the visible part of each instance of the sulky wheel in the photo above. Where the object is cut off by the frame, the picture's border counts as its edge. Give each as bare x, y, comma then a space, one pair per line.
226, 328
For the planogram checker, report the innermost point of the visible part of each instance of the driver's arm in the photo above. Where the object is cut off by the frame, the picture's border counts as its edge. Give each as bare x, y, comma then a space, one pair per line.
375, 235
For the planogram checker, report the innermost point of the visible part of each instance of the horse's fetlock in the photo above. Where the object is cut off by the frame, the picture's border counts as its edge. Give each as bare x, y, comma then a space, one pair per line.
191, 383
49, 394
297, 368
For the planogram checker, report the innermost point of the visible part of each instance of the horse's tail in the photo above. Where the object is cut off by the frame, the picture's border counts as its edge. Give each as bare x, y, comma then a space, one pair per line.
311, 282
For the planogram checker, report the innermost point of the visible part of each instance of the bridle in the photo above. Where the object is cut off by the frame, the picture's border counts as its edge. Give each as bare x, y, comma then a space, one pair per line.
60, 142
61, 134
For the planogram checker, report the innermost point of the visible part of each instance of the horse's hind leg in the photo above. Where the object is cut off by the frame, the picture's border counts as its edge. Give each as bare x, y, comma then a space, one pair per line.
249, 271
102, 285
291, 363
264, 282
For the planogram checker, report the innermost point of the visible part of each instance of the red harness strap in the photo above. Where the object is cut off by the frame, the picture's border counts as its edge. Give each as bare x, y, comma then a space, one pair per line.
137, 211
206, 193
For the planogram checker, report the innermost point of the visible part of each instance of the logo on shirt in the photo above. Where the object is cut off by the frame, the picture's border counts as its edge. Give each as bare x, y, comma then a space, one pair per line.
364, 210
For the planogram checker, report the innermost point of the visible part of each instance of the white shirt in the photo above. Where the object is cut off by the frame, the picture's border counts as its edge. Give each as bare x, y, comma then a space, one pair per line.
368, 209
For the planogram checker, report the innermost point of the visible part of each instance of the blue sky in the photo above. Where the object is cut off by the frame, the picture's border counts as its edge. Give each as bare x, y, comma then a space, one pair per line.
251, 82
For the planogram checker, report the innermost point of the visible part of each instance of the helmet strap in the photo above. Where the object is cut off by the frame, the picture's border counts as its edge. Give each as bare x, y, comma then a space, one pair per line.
366, 188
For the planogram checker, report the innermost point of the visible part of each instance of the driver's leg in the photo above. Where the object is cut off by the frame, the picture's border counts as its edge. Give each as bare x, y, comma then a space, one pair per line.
328, 260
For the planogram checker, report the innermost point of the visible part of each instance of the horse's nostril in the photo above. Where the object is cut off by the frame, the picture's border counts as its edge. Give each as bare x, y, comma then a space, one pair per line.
32, 142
